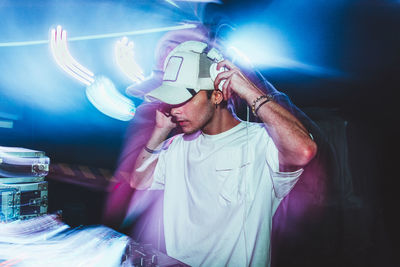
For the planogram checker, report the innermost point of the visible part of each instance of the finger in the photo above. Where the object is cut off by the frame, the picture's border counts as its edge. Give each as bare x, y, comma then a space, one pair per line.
166, 113
222, 76
131, 45
124, 40
229, 88
226, 64
226, 88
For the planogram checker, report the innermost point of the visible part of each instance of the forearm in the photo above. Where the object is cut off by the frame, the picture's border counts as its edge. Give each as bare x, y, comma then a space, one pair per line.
142, 177
295, 146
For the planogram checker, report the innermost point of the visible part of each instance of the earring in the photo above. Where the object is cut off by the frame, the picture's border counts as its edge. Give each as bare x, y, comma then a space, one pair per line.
216, 105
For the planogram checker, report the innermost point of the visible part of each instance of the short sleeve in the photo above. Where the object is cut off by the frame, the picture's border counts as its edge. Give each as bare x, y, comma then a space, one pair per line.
159, 173
159, 170
283, 182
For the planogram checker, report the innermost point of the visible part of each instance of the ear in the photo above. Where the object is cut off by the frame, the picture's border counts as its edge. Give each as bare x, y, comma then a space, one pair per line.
218, 97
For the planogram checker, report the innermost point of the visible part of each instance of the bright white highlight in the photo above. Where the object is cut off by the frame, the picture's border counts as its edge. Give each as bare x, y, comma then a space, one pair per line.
100, 91
172, 3
106, 98
124, 57
268, 50
6, 124
46, 241
237, 55
60, 52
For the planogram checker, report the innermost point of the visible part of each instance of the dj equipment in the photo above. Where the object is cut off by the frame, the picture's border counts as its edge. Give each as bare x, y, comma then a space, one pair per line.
9, 204
24, 191
33, 198
47, 241
23, 162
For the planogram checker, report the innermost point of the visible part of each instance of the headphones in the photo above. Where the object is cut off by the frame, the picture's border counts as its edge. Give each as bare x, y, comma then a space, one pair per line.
217, 57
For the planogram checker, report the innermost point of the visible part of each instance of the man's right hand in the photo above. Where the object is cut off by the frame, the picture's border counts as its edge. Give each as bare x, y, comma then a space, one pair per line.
164, 122
142, 176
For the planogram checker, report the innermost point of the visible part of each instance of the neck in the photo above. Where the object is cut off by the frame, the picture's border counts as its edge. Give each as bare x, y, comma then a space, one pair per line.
221, 121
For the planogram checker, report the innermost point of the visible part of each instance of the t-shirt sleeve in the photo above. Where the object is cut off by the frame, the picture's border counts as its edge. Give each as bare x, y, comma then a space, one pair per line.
159, 170
159, 173
283, 182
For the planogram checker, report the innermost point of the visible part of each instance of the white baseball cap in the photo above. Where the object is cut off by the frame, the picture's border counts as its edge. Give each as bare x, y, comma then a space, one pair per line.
187, 70
165, 45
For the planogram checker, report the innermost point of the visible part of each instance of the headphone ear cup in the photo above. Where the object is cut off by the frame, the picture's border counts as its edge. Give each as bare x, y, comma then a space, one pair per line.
214, 72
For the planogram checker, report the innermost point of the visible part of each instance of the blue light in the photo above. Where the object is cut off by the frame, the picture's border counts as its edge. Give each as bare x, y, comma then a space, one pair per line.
264, 46
107, 99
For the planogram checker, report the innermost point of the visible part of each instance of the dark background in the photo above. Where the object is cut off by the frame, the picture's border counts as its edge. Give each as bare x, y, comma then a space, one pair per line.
352, 46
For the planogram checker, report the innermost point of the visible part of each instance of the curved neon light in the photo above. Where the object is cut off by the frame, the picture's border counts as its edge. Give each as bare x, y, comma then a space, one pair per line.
63, 58
124, 57
107, 99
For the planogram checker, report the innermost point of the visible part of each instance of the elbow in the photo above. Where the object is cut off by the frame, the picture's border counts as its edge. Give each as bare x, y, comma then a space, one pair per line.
138, 186
308, 152
133, 184
139, 182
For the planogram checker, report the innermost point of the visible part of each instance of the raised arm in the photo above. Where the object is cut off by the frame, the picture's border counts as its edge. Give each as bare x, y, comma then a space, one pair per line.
142, 177
295, 146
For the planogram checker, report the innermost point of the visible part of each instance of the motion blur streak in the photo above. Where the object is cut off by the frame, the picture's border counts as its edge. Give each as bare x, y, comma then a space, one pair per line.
106, 98
59, 50
124, 57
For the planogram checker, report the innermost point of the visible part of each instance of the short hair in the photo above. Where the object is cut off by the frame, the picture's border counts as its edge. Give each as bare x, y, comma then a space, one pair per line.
209, 93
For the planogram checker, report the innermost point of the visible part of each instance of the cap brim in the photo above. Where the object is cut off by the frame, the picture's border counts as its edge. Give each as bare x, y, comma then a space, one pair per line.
152, 82
172, 95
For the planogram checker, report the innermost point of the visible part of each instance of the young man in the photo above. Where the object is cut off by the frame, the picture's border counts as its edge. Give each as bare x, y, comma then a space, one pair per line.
223, 179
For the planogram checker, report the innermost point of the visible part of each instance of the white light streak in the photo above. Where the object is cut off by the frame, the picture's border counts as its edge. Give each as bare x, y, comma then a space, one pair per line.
107, 99
59, 50
6, 124
172, 3
81, 70
124, 57
238, 55
102, 36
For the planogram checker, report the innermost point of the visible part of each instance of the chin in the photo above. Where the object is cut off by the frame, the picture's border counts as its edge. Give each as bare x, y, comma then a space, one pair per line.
189, 130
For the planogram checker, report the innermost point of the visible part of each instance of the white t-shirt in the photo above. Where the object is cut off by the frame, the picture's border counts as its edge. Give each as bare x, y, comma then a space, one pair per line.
220, 193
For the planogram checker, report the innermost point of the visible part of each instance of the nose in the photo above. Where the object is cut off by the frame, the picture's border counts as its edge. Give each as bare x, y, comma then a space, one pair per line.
175, 111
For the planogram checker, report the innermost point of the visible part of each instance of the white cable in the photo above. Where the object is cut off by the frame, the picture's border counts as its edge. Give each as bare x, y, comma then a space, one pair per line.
245, 186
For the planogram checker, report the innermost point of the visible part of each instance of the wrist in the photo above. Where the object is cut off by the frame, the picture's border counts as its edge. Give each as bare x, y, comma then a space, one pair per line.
162, 130
252, 94
259, 101
157, 137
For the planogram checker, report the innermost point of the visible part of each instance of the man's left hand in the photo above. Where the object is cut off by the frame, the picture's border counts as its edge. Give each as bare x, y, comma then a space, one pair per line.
235, 82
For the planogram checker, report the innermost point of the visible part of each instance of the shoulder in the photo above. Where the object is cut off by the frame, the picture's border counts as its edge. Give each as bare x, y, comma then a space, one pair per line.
178, 139
255, 128
172, 140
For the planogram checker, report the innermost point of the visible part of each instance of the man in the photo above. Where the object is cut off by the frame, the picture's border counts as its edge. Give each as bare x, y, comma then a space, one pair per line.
223, 179
121, 202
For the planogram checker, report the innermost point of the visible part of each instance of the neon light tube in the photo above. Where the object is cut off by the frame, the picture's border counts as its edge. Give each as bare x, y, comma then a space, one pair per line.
59, 49
124, 57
